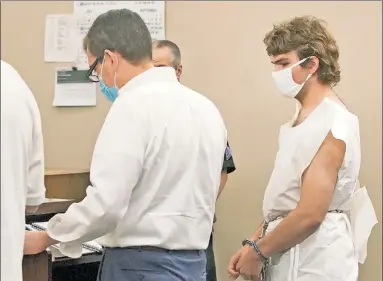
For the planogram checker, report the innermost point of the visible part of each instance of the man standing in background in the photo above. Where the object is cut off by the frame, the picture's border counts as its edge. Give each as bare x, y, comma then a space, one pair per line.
22, 167
167, 53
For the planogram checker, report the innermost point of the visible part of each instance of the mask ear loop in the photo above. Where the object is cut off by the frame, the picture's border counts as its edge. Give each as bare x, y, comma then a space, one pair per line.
308, 76
102, 66
300, 62
115, 73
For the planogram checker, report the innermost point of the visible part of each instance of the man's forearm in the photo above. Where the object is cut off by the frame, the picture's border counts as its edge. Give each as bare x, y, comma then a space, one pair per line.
258, 233
222, 183
292, 230
49, 241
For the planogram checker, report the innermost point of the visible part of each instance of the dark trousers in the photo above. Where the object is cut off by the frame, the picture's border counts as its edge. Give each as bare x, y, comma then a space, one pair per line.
140, 264
211, 274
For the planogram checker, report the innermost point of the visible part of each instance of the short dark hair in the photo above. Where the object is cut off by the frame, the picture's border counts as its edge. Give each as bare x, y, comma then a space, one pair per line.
123, 31
173, 47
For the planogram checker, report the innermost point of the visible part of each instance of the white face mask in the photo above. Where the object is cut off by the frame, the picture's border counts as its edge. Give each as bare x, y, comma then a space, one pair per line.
285, 82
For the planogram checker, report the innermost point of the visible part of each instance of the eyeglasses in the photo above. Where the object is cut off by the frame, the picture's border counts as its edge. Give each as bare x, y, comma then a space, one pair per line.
92, 75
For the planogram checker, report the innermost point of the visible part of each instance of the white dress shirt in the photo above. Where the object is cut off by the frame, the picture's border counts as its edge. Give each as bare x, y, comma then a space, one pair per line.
22, 167
155, 170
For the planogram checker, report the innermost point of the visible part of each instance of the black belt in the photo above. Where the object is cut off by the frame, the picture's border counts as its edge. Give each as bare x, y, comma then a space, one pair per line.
148, 248
154, 249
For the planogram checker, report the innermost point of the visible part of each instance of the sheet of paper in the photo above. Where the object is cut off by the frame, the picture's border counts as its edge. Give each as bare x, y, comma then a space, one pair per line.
73, 88
90, 247
42, 225
152, 12
56, 254
83, 23
94, 245
60, 38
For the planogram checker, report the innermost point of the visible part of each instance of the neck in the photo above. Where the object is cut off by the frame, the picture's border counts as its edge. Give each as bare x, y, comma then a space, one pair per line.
314, 95
128, 72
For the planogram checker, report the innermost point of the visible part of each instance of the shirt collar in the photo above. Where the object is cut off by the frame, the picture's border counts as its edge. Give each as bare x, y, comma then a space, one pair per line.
154, 74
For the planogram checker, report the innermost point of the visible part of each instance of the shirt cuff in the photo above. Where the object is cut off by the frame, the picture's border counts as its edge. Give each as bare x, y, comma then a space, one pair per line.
60, 232
72, 249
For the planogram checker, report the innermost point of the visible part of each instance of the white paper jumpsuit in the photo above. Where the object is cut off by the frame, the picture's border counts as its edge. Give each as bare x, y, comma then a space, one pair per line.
332, 253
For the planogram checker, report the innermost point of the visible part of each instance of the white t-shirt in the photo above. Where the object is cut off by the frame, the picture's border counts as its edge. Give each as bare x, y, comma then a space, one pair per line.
22, 167
155, 170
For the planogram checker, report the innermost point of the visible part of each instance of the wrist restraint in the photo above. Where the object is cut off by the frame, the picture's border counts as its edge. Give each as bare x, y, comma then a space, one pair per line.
254, 245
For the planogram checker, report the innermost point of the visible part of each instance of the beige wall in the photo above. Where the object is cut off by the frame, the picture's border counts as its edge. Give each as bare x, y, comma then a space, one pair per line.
224, 58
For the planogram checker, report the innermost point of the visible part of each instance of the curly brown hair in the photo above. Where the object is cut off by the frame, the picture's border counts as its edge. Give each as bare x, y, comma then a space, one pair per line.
308, 36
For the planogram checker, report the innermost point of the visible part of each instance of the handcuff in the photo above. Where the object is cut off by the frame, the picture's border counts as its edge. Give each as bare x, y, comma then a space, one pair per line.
254, 245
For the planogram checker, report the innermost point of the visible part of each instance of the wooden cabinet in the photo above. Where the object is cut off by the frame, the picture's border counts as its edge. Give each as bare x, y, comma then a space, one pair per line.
37, 267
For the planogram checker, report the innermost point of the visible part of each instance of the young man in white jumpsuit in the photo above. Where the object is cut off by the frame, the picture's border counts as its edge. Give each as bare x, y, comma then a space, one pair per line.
22, 167
317, 219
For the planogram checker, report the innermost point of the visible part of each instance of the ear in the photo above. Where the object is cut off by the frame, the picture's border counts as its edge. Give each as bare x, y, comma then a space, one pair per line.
111, 59
314, 64
179, 71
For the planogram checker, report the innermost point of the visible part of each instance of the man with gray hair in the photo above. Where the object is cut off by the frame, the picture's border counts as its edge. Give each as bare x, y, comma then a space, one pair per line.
155, 169
167, 53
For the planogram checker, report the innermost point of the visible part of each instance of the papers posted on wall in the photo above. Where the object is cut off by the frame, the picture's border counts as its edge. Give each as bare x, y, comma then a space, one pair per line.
152, 12
73, 88
64, 33
60, 38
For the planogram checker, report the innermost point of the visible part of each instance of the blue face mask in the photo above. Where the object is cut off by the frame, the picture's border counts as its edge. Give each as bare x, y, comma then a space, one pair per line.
110, 93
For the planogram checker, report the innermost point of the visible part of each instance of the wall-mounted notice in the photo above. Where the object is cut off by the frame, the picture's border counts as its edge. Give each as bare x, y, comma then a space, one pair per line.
60, 38
152, 12
83, 25
73, 88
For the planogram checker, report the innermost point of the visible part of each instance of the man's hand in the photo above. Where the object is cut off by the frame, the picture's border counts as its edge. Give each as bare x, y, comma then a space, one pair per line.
245, 263
36, 242
231, 269
249, 265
